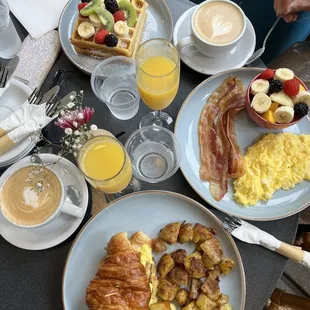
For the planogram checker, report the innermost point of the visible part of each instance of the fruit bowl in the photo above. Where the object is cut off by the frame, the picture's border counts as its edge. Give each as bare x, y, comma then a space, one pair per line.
261, 121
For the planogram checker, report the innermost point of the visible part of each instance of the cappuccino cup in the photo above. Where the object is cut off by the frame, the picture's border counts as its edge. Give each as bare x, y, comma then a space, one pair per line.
23, 205
216, 28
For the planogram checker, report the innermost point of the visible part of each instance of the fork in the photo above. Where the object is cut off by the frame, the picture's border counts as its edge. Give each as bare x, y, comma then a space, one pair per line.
249, 233
4, 72
35, 97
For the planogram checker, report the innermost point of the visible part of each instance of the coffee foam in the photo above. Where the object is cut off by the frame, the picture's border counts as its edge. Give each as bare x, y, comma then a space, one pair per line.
31, 198
220, 26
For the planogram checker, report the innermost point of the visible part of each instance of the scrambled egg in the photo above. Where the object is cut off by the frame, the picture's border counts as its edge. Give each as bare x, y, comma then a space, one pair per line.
277, 161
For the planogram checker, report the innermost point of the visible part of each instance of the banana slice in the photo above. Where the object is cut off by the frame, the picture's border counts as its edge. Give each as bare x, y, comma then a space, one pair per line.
86, 30
261, 103
284, 115
121, 28
94, 19
302, 96
284, 74
282, 98
259, 86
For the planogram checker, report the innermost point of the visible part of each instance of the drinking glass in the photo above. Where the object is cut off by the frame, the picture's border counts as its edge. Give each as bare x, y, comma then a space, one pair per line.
106, 165
158, 77
154, 152
10, 42
113, 82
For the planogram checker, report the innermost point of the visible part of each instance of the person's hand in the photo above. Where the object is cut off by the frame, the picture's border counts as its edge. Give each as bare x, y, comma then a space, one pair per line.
288, 8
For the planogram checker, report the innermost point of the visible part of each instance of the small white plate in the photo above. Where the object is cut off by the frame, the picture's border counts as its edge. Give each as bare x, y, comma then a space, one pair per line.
11, 99
209, 65
146, 211
59, 229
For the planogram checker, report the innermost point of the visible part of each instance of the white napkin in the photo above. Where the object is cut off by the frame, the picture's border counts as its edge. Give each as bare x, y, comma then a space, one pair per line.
37, 16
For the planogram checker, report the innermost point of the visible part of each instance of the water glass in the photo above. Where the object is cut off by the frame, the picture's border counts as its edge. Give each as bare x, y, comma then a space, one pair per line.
154, 152
10, 42
113, 82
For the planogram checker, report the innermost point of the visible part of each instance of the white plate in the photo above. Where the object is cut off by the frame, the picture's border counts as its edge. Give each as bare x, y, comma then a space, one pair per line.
208, 65
11, 99
283, 203
159, 24
148, 211
59, 229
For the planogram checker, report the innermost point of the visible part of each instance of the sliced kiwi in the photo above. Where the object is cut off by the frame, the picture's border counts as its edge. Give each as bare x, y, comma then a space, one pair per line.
90, 8
106, 18
129, 12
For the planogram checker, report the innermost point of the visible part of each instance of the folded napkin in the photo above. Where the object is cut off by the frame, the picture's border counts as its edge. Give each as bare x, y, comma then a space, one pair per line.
38, 17
38, 121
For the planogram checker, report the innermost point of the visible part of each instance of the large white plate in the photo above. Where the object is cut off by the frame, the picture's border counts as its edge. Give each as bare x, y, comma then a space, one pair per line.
148, 211
60, 228
159, 24
283, 203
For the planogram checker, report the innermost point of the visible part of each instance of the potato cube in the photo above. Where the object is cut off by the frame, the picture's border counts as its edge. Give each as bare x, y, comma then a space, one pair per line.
226, 307
213, 250
216, 272
182, 296
207, 262
178, 275
205, 303
170, 232
191, 306
186, 233
162, 305
201, 233
167, 290
194, 265
195, 289
226, 265
178, 256
159, 245
165, 265
223, 299
211, 287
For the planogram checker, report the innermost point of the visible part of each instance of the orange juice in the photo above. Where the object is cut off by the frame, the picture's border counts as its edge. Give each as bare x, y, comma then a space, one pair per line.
106, 164
158, 81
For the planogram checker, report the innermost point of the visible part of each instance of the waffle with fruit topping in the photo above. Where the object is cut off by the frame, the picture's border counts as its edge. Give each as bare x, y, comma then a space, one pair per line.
108, 28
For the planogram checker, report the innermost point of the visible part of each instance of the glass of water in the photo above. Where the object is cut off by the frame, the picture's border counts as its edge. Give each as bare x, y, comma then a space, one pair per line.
113, 82
10, 42
154, 152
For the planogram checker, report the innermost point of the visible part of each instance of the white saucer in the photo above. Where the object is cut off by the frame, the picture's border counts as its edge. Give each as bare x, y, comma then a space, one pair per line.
59, 229
209, 65
11, 98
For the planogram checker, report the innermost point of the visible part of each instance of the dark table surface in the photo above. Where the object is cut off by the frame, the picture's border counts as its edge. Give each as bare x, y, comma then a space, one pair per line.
32, 280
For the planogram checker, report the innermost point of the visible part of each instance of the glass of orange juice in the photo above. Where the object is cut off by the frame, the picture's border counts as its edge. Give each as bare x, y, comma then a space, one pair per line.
106, 165
158, 77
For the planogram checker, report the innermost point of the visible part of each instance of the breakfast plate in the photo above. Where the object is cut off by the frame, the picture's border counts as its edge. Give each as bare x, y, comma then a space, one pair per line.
159, 24
60, 228
147, 211
213, 65
283, 203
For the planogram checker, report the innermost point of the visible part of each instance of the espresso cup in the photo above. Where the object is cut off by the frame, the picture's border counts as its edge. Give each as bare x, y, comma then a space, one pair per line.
63, 205
220, 25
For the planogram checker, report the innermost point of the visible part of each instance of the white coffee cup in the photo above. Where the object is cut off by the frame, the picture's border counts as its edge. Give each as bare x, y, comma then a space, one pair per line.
64, 205
208, 48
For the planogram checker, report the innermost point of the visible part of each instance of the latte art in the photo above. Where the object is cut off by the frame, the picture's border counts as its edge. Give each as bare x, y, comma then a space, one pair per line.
220, 26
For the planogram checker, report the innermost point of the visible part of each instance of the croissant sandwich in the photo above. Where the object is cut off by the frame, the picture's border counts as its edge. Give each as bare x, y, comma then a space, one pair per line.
126, 277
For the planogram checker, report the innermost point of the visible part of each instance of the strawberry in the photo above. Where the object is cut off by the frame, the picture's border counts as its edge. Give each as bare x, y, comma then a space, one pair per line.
119, 15
100, 36
82, 6
291, 87
267, 74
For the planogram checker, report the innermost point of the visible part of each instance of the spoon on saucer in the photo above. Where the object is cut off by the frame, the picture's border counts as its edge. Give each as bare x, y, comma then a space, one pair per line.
261, 50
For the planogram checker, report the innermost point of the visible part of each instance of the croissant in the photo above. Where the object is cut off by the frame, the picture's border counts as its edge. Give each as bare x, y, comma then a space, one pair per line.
121, 281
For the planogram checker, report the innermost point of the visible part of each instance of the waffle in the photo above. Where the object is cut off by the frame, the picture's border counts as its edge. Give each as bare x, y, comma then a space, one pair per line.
127, 46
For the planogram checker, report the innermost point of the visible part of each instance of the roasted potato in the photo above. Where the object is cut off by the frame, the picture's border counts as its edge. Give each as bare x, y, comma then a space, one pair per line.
216, 272
170, 232
172, 307
226, 307
186, 233
207, 262
159, 245
222, 300
167, 290
211, 287
162, 305
178, 275
201, 233
165, 265
195, 289
194, 265
213, 250
226, 265
181, 296
205, 303
191, 306
178, 256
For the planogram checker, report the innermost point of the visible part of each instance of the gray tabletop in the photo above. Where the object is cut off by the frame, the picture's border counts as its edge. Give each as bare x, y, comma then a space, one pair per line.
31, 280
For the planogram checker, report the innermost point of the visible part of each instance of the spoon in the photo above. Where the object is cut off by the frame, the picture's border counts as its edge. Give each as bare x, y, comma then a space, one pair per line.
72, 192
260, 51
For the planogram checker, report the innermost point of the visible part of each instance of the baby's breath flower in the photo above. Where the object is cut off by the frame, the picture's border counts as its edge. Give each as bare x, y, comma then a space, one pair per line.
72, 97
68, 131
74, 146
80, 115
77, 140
77, 133
81, 92
75, 154
70, 105
67, 143
93, 127
79, 146
75, 124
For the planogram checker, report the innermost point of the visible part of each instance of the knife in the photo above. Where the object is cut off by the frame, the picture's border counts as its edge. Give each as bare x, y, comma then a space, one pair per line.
12, 65
248, 233
50, 95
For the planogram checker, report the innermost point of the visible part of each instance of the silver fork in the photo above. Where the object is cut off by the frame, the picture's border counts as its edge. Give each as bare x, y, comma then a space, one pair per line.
231, 223
4, 72
35, 97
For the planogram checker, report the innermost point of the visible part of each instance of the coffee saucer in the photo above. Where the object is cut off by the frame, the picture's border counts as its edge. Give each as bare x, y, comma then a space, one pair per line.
60, 228
210, 65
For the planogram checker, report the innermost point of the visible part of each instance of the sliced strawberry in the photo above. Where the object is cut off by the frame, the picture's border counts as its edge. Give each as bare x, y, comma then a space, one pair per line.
119, 15
267, 74
291, 87
100, 36
82, 6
